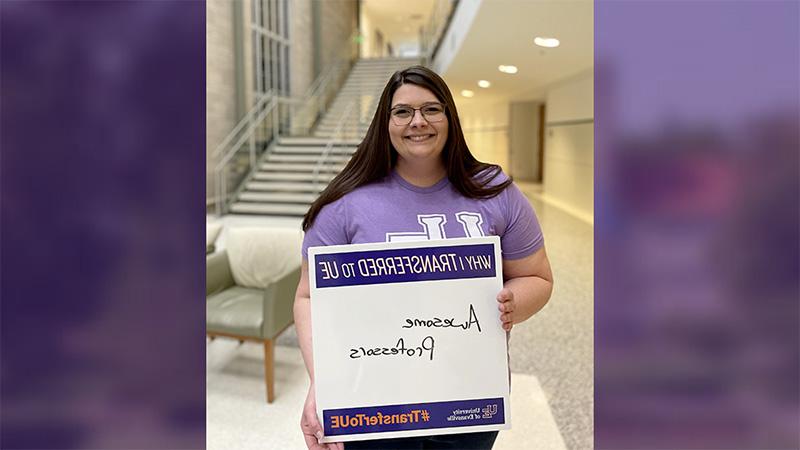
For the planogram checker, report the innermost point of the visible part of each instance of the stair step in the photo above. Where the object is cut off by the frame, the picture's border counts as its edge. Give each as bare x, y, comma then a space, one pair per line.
344, 127
334, 119
348, 93
306, 141
307, 158
297, 186
330, 134
370, 75
298, 167
269, 209
387, 71
313, 151
307, 177
378, 68
359, 127
340, 106
284, 184
348, 133
349, 123
278, 197
368, 81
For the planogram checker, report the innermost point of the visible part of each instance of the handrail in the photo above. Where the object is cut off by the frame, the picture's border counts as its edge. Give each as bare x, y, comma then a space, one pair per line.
312, 104
432, 32
336, 132
224, 160
321, 81
259, 104
219, 168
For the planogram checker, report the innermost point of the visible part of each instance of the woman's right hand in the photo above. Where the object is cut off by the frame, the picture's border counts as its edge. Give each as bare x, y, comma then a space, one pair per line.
309, 424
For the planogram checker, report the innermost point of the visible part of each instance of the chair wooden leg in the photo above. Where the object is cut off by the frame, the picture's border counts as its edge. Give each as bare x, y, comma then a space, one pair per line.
269, 368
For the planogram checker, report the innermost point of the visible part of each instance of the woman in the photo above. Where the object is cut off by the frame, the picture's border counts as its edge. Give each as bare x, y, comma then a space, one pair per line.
413, 178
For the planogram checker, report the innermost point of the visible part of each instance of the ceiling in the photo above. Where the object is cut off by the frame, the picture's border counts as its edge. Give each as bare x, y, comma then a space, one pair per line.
503, 33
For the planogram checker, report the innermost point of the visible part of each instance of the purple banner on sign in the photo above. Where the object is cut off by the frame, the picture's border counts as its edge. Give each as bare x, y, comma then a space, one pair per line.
404, 265
417, 416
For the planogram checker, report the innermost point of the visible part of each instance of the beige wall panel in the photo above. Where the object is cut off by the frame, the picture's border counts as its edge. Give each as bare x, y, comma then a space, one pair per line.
301, 34
485, 128
572, 99
569, 148
339, 21
569, 167
220, 79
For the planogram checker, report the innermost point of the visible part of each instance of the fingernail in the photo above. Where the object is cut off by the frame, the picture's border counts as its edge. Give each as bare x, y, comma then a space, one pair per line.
318, 434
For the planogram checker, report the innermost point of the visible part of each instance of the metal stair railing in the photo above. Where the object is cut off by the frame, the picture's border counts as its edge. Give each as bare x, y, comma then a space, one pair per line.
432, 32
363, 116
272, 117
322, 91
258, 129
329, 146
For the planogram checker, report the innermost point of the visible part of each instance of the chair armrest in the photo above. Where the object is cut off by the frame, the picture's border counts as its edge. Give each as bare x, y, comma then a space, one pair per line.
279, 304
218, 273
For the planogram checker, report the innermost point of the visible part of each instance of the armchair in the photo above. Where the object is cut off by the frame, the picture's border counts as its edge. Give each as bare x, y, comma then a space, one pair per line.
212, 232
250, 289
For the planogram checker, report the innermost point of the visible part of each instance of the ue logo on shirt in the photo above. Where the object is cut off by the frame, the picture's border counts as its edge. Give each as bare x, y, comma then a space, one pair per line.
433, 227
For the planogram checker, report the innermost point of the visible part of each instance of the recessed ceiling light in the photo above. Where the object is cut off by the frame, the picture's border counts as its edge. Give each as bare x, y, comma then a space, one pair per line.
507, 69
546, 42
484, 83
467, 93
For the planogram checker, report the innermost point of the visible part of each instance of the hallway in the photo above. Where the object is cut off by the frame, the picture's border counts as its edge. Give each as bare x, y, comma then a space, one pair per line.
557, 344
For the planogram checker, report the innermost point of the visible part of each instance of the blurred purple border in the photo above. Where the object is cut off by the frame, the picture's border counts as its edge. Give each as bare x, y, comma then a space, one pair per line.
697, 248
103, 179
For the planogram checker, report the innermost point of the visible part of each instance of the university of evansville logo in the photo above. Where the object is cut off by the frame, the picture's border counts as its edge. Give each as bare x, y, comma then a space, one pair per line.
433, 227
489, 411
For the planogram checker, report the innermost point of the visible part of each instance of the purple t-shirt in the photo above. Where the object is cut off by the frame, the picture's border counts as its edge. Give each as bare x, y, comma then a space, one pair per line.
394, 210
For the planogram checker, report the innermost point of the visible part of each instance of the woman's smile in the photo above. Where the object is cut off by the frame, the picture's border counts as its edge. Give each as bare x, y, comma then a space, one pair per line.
417, 138
419, 143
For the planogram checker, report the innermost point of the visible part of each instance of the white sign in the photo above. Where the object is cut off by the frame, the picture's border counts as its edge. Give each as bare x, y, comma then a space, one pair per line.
407, 339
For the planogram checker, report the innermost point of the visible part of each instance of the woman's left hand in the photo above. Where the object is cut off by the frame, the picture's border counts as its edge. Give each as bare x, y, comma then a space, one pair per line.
505, 300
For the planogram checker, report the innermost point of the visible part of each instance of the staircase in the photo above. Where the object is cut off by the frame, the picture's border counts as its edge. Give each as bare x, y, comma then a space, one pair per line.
284, 183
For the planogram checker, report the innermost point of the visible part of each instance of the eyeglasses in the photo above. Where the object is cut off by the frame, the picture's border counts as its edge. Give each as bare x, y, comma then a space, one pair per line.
403, 115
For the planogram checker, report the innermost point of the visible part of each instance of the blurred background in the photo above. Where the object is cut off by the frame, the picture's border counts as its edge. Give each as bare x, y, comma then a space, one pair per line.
696, 237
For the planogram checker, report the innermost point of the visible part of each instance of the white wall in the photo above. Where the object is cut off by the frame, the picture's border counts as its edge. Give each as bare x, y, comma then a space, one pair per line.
569, 145
485, 126
461, 22
571, 99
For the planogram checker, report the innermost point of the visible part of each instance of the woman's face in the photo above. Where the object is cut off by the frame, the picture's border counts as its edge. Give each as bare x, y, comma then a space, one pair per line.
421, 140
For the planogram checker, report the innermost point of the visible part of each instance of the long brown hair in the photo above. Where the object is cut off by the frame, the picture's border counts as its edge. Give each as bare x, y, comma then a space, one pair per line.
375, 156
